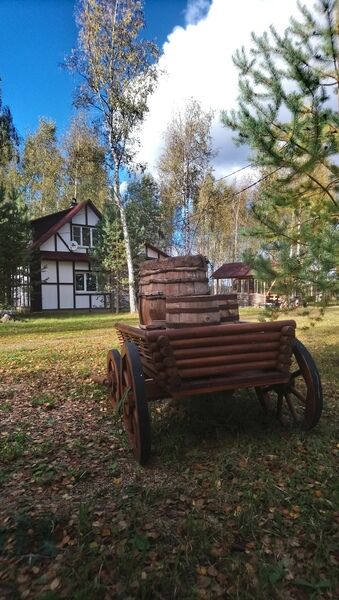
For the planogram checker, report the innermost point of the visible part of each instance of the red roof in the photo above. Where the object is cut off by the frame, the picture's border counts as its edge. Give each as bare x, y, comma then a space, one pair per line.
58, 220
236, 270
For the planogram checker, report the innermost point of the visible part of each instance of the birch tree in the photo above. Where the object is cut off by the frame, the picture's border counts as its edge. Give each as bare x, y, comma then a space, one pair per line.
183, 166
117, 70
84, 167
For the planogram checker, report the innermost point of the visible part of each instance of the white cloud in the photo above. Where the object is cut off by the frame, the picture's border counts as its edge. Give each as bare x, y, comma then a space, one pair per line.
197, 62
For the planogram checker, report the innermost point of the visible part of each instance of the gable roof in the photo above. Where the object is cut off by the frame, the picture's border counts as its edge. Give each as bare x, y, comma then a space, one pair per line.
236, 270
160, 253
45, 227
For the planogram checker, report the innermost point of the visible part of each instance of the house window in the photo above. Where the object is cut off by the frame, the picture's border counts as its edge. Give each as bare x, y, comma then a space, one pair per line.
85, 236
86, 282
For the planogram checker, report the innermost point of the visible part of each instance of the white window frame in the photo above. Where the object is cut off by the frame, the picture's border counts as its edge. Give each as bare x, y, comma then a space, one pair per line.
86, 274
81, 227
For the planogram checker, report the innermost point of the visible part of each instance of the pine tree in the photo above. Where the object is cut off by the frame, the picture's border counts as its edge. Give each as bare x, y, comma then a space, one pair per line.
14, 240
109, 256
289, 91
144, 216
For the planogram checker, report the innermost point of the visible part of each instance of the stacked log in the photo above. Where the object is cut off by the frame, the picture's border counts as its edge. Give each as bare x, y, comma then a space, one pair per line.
164, 278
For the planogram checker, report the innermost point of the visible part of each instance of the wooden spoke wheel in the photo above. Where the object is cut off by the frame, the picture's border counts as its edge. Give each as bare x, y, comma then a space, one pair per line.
114, 377
300, 401
135, 408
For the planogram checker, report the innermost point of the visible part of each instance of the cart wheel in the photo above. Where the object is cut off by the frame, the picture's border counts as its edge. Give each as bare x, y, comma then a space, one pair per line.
135, 408
300, 401
114, 377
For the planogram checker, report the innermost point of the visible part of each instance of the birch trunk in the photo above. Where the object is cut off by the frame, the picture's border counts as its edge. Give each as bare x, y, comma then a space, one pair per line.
131, 280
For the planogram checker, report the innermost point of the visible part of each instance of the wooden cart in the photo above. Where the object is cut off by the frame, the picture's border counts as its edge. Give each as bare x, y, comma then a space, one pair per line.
175, 363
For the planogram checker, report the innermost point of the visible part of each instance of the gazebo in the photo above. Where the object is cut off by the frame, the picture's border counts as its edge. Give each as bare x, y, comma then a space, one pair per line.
238, 277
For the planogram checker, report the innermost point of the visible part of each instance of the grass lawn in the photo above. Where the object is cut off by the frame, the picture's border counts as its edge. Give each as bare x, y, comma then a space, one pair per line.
232, 505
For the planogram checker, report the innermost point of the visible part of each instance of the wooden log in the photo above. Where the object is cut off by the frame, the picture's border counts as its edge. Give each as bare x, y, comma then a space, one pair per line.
211, 361
222, 330
224, 350
162, 341
174, 262
222, 369
166, 351
213, 342
217, 384
160, 366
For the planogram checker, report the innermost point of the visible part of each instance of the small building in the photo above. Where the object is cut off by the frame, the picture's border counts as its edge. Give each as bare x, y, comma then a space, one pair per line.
62, 276
152, 252
238, 277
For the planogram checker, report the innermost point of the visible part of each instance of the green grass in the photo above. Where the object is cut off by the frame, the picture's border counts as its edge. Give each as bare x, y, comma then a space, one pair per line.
232, 505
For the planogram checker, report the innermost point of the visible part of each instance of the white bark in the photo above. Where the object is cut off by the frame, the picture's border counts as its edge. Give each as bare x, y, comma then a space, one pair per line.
130, 269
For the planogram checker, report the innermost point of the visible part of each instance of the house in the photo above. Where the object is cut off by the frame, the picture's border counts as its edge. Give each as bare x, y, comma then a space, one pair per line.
153, 252
61, 273
238, 277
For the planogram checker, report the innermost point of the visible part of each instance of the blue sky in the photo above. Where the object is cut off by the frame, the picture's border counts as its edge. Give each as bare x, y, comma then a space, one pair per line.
35, 36
197, 37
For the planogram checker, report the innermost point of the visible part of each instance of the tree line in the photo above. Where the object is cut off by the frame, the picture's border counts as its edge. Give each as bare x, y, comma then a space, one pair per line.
284, 223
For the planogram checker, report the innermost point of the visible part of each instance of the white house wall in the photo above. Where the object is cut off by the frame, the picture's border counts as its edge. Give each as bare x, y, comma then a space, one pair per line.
48, 245
66, 296
98, 301
92, 218
65, 271
82, 302
80, 218
49, 297
58, 275
81, 266
62, 245
48, 271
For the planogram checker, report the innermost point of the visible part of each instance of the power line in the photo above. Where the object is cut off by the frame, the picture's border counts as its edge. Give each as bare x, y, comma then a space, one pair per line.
234, 172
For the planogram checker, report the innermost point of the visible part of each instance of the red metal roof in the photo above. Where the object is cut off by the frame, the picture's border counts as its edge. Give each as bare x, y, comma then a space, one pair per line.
65, 217
236, 270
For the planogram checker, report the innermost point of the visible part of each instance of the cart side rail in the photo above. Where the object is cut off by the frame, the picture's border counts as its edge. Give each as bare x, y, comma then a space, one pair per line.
177, 357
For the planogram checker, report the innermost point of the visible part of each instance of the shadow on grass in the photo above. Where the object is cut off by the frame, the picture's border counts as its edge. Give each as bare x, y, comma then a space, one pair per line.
65, 323
190, 425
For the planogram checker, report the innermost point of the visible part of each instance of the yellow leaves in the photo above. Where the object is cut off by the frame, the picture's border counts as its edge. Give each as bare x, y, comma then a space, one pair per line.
117, 481
55, 584
201, 570
318, 493
199, 504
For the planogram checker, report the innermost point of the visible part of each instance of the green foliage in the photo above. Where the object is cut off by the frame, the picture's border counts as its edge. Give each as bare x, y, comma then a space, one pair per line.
42, 164
183, 166
84, 167
144, 215
287, 118
9, 138
14, 238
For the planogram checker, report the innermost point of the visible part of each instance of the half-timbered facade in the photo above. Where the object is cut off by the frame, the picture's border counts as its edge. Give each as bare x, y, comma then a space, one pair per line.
62, 276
